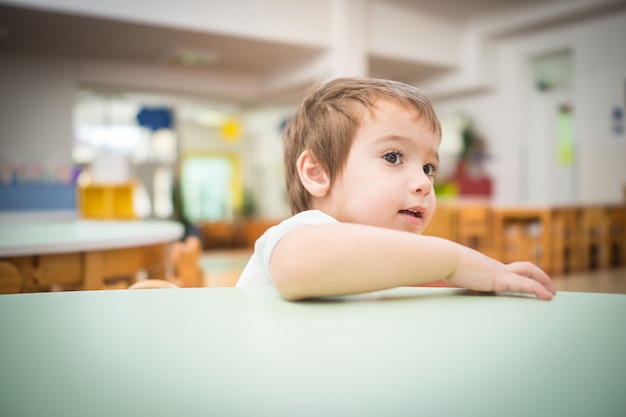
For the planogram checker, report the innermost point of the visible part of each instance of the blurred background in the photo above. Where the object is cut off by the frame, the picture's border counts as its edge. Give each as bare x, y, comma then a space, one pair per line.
174, 110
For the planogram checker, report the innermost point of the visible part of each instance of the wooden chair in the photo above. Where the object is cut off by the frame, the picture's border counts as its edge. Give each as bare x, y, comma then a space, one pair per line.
253, 229
185, 257
594, 240
10, 278
564, 240
473, 224
516, 245
522, 234
185, 261
444, 223
617, 235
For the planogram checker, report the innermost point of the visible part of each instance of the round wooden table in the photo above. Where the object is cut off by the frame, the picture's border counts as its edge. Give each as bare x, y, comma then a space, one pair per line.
85, 254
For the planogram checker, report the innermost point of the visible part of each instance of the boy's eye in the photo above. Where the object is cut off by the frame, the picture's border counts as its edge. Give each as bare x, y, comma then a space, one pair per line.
393, 157
430, 170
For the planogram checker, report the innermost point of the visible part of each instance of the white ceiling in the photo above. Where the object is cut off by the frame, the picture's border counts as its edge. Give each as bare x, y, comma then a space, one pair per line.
461, 10
31, 32
34, 32
28, 32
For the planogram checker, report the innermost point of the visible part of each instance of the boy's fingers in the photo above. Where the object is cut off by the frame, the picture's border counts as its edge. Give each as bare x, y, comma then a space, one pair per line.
518, 283
527, 269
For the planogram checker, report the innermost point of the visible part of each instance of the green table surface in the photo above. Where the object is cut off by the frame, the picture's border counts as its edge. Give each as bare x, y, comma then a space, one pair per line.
247, 352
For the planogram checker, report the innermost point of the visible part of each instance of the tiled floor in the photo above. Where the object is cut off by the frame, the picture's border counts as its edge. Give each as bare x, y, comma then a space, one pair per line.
222, 268
609, 281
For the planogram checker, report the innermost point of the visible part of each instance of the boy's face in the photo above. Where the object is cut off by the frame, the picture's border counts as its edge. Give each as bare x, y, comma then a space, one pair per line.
388, 177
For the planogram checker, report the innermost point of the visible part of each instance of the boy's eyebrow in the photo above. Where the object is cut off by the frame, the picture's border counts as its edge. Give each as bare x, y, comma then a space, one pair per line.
400, 138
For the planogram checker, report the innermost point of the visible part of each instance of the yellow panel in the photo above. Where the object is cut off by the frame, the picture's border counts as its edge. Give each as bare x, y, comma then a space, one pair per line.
102, 201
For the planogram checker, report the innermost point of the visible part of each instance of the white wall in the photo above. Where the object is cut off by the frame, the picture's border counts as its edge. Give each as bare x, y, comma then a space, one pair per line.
36, 111
601, 85
394, 33
265, 174
501, 113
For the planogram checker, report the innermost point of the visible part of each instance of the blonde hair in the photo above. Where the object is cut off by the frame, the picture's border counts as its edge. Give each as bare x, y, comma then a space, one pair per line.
327, 120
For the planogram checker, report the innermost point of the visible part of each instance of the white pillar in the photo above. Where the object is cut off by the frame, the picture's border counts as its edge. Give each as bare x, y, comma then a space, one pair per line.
349, 40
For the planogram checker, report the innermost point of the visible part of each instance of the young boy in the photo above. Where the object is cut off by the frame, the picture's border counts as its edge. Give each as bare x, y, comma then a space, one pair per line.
361, 156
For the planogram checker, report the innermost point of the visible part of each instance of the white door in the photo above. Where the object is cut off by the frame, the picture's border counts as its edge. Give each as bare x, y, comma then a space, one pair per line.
551, 159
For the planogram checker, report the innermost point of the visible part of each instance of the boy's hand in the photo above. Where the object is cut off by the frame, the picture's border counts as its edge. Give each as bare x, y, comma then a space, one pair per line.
481, 273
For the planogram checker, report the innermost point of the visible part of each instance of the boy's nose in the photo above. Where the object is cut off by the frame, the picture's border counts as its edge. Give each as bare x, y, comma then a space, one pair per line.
422, 183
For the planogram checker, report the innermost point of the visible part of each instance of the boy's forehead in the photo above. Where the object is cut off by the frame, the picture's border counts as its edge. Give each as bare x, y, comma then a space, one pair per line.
384, 105
383, 108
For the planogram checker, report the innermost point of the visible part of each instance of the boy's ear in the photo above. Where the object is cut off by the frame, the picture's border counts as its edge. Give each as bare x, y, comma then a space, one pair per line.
312, 175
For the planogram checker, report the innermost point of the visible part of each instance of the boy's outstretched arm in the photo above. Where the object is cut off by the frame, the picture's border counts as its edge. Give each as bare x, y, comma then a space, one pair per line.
342, 258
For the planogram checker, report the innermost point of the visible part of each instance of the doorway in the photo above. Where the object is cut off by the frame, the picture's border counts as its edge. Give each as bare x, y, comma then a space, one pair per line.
551, 148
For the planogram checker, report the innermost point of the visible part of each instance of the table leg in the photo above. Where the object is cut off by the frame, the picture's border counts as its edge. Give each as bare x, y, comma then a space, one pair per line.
93, 275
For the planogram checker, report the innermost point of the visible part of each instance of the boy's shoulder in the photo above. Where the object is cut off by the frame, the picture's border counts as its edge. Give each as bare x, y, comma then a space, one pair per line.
256, 273
301, 219
310, 217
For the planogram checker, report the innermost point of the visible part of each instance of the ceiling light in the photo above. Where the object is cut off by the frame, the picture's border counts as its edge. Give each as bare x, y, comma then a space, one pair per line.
190, 57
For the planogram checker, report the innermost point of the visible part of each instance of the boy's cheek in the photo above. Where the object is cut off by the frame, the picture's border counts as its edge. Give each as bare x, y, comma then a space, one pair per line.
427, 220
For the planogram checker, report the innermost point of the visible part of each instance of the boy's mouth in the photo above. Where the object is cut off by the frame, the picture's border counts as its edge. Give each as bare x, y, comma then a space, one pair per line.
414, 213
